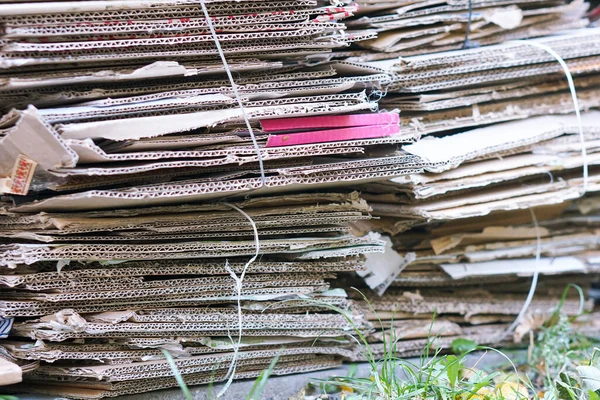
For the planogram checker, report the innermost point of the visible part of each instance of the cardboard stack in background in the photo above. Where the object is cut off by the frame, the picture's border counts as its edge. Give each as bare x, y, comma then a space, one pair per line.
462, 242
442, 92
464, 236
412, 320
161, 280
408, 28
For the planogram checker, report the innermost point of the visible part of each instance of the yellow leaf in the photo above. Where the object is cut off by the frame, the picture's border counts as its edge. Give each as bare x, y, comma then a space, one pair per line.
484, 391
347, 389
512, 391
480, 394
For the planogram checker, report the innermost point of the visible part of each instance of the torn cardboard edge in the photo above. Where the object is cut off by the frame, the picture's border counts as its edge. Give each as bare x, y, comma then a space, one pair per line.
29, 143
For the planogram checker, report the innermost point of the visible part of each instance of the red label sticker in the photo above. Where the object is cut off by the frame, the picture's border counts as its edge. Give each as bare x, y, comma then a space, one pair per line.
22, 175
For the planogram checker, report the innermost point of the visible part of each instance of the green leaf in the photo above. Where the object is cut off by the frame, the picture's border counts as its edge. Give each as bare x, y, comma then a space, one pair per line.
461, 345
453, 367
593, 395
565, 391
476, 388
177, 374
260, 382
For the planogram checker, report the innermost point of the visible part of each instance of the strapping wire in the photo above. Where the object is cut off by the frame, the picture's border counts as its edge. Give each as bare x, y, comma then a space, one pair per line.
468, 44
235, 91
239, 283
534, 280
573, 91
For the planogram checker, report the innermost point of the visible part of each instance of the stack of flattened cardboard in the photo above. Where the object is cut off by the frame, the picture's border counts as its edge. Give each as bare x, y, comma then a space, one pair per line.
125, 158
87, 34
464, 225
407, 28
502, 203
164, 54
134, 94
134, 113
474, 87
409, 321
509, 166
98, 317
101, 293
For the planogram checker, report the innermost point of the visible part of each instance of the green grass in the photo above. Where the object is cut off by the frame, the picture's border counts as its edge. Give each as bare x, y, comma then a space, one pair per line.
255, 391
561, 365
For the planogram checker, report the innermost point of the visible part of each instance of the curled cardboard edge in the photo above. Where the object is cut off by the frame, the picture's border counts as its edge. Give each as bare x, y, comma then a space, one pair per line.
33, 140
522, 267
10, 373
95, 6
158, 69
478, 142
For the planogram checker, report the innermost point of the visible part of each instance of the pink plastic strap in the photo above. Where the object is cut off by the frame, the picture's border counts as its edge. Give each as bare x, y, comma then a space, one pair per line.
333, 135
333, 121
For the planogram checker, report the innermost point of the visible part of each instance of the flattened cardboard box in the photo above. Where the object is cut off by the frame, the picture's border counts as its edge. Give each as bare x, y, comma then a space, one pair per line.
75, 271
406, 30
79, 391
263, 301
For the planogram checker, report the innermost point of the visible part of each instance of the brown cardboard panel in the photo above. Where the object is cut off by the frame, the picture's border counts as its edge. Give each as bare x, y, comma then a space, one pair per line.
478, 95
476, 143
478, 302
496, 112
491, 57
154, 70
27, 254
95, 6
312, 202
73, 391
267, 302
119, 94
265, 233
497, 73
35, 139
201, 283
182, 193
75, 271
248, 22
90, 153
108, 353
136, 128
174, 10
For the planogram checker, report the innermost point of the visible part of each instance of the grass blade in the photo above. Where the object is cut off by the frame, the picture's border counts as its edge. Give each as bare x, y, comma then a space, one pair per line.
177, 374
260, 382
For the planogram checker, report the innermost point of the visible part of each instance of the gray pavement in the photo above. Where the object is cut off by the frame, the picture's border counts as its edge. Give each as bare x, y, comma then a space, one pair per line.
276, 388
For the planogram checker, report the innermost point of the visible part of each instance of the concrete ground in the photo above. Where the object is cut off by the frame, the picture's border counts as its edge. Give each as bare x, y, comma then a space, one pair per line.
285, 387
278, 387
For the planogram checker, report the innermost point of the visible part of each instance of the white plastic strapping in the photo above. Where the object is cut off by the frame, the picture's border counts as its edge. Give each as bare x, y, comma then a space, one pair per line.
235, 90
573, 91
239, 282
